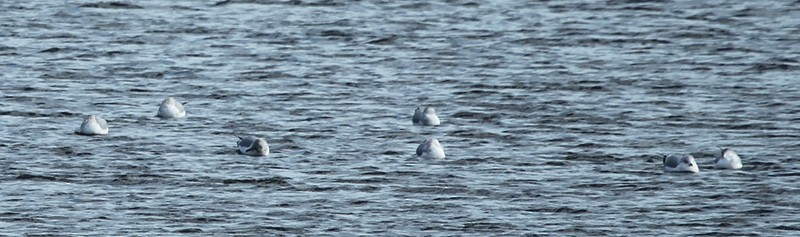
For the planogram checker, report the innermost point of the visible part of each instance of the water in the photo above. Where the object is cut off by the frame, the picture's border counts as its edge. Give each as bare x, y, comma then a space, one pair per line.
554, 116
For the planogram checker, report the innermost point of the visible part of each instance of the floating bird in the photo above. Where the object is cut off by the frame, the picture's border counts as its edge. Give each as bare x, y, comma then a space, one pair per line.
680, 163
170, 108
430, 148
727, 159
93, 125
253, 146
425, 117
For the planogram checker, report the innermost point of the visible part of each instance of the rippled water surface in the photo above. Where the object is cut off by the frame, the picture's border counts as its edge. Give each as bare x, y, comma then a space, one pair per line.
555, 115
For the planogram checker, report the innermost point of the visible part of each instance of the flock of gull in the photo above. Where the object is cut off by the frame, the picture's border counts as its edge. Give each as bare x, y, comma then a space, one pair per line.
169, 109
255, 146
430, 148
727, 159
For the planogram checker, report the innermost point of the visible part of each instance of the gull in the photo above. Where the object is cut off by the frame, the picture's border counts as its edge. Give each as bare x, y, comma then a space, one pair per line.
431, 149
93, 125
727, 159
252, 146
680, 163
170, 108
425, 117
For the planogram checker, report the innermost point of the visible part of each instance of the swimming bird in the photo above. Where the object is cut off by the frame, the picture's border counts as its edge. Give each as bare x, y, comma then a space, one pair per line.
253, 146
170, 108
425, 117
680, 163
93, 125
431, 149
727, 159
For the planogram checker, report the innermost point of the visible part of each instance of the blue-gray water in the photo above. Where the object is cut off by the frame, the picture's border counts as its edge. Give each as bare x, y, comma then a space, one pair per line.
554, 116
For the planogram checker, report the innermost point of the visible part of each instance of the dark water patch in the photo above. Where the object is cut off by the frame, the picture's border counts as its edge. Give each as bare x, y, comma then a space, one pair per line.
451, 198
562, 209
404, 173
416, 6
438, 207
8, 214
487, 226
583, 231
483, 135
263, 75
332, 34
318, 137
37, 114
512, 182
139, 90
29, 220
695, 225
449, 190
392, 153
59, 36
269, 229
6, 48
184, 8
105, 91
222, 3
360, 202
314, 188
33, 177
656, 102
573, 117
539, 41
649, 158
151, 75
131, 41
727, 49
646, 189
383, 41
68, 75
275, 37
194, 55
112, 5
729, 233
320, 172
784, 227
768, 67
69, 151
369, 189
475, 92
697, 33
189, 230
591, 185
680, 209
555, 163
374, 172
471, 161
483, 117
597, 158
199, 30
273, 181
777, 173
623, 41
53, 50
137, 179
589, 145
668, 85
